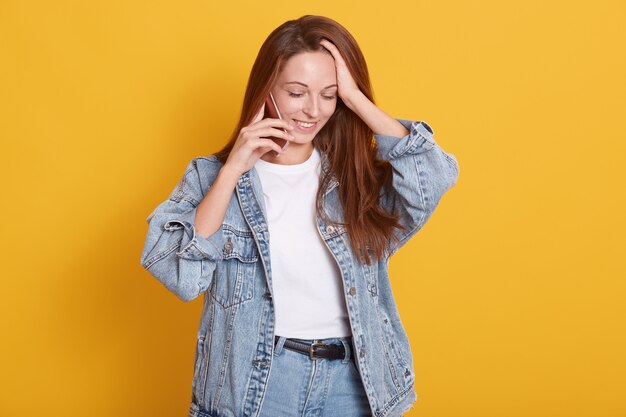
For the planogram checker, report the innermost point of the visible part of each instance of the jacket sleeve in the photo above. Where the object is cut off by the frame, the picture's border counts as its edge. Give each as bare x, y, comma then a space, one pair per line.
422, 173
173, 252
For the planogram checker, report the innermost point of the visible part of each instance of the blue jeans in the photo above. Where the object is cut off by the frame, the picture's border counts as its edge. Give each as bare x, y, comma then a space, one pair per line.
301, 387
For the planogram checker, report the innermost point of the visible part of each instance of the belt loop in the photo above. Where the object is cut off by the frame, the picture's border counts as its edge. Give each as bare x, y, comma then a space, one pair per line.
347, 348
279, 341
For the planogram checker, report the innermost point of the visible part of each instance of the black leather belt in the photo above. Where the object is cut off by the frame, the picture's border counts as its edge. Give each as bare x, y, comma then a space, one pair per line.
316, 350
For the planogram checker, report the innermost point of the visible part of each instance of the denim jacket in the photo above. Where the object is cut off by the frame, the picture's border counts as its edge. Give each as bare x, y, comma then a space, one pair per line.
232, 269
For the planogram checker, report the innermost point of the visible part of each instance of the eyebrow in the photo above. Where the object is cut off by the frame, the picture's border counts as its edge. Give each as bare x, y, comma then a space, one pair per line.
304, 85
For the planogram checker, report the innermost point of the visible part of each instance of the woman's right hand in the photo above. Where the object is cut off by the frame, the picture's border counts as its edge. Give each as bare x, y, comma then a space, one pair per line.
253, 142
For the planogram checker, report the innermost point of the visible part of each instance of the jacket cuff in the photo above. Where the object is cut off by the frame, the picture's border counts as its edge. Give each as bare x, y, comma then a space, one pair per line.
420, 139
194, 246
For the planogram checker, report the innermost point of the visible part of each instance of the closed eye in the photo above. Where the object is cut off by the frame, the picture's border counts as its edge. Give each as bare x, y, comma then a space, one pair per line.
296, 95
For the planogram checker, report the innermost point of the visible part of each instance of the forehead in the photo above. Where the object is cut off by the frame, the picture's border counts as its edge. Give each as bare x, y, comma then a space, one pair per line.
311, 68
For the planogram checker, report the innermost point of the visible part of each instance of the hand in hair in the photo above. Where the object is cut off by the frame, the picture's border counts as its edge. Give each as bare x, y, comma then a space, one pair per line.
346, 86
377, 120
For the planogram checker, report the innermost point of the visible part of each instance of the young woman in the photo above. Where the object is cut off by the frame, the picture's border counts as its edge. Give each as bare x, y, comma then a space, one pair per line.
290, 245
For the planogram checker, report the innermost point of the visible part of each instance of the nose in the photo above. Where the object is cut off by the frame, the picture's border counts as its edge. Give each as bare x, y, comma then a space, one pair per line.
311, 107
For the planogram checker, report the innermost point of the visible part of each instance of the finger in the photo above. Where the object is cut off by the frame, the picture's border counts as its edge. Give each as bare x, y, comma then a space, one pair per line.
270, 131
331, 48
269, 145
277, 123
340, 64
327, 44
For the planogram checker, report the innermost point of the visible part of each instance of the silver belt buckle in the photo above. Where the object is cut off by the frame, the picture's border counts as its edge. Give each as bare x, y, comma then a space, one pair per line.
315, 343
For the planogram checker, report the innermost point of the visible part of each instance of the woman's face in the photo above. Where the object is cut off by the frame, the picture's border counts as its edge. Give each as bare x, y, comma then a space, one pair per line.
306, 93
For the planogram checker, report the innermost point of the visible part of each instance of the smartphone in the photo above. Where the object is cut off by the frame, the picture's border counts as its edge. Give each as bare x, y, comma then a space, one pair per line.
271, 111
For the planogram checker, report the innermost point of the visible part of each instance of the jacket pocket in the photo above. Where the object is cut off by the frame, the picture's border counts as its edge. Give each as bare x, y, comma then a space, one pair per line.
234, 275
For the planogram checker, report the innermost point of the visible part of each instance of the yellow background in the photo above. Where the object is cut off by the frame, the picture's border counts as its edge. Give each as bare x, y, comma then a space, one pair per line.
513, 294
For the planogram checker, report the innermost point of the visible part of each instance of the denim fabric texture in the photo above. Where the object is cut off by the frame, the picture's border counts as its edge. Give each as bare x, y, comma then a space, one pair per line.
299, 386
232, 270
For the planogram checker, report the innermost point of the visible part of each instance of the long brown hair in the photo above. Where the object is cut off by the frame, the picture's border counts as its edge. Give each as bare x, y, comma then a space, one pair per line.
346, 140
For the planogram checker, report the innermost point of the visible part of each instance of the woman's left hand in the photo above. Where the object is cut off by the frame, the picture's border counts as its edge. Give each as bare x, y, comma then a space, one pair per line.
346, 86
377, 120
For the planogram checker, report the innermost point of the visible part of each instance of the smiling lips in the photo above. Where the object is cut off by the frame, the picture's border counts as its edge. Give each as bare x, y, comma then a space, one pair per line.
305, 125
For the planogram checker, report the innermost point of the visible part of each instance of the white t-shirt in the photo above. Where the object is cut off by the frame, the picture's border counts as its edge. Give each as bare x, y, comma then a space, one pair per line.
308, 292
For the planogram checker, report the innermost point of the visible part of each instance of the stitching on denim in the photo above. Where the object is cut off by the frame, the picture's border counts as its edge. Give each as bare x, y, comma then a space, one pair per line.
242, 286
162, 254
196, 246
391, 403
419, 222
452, 162
237, 232
208, 341
225, 357
309, 385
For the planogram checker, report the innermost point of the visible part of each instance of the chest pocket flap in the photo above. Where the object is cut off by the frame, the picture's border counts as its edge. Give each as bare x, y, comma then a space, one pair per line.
235, 274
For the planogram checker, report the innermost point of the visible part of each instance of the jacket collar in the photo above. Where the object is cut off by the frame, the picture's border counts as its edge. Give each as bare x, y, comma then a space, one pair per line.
250, 194
325, 168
